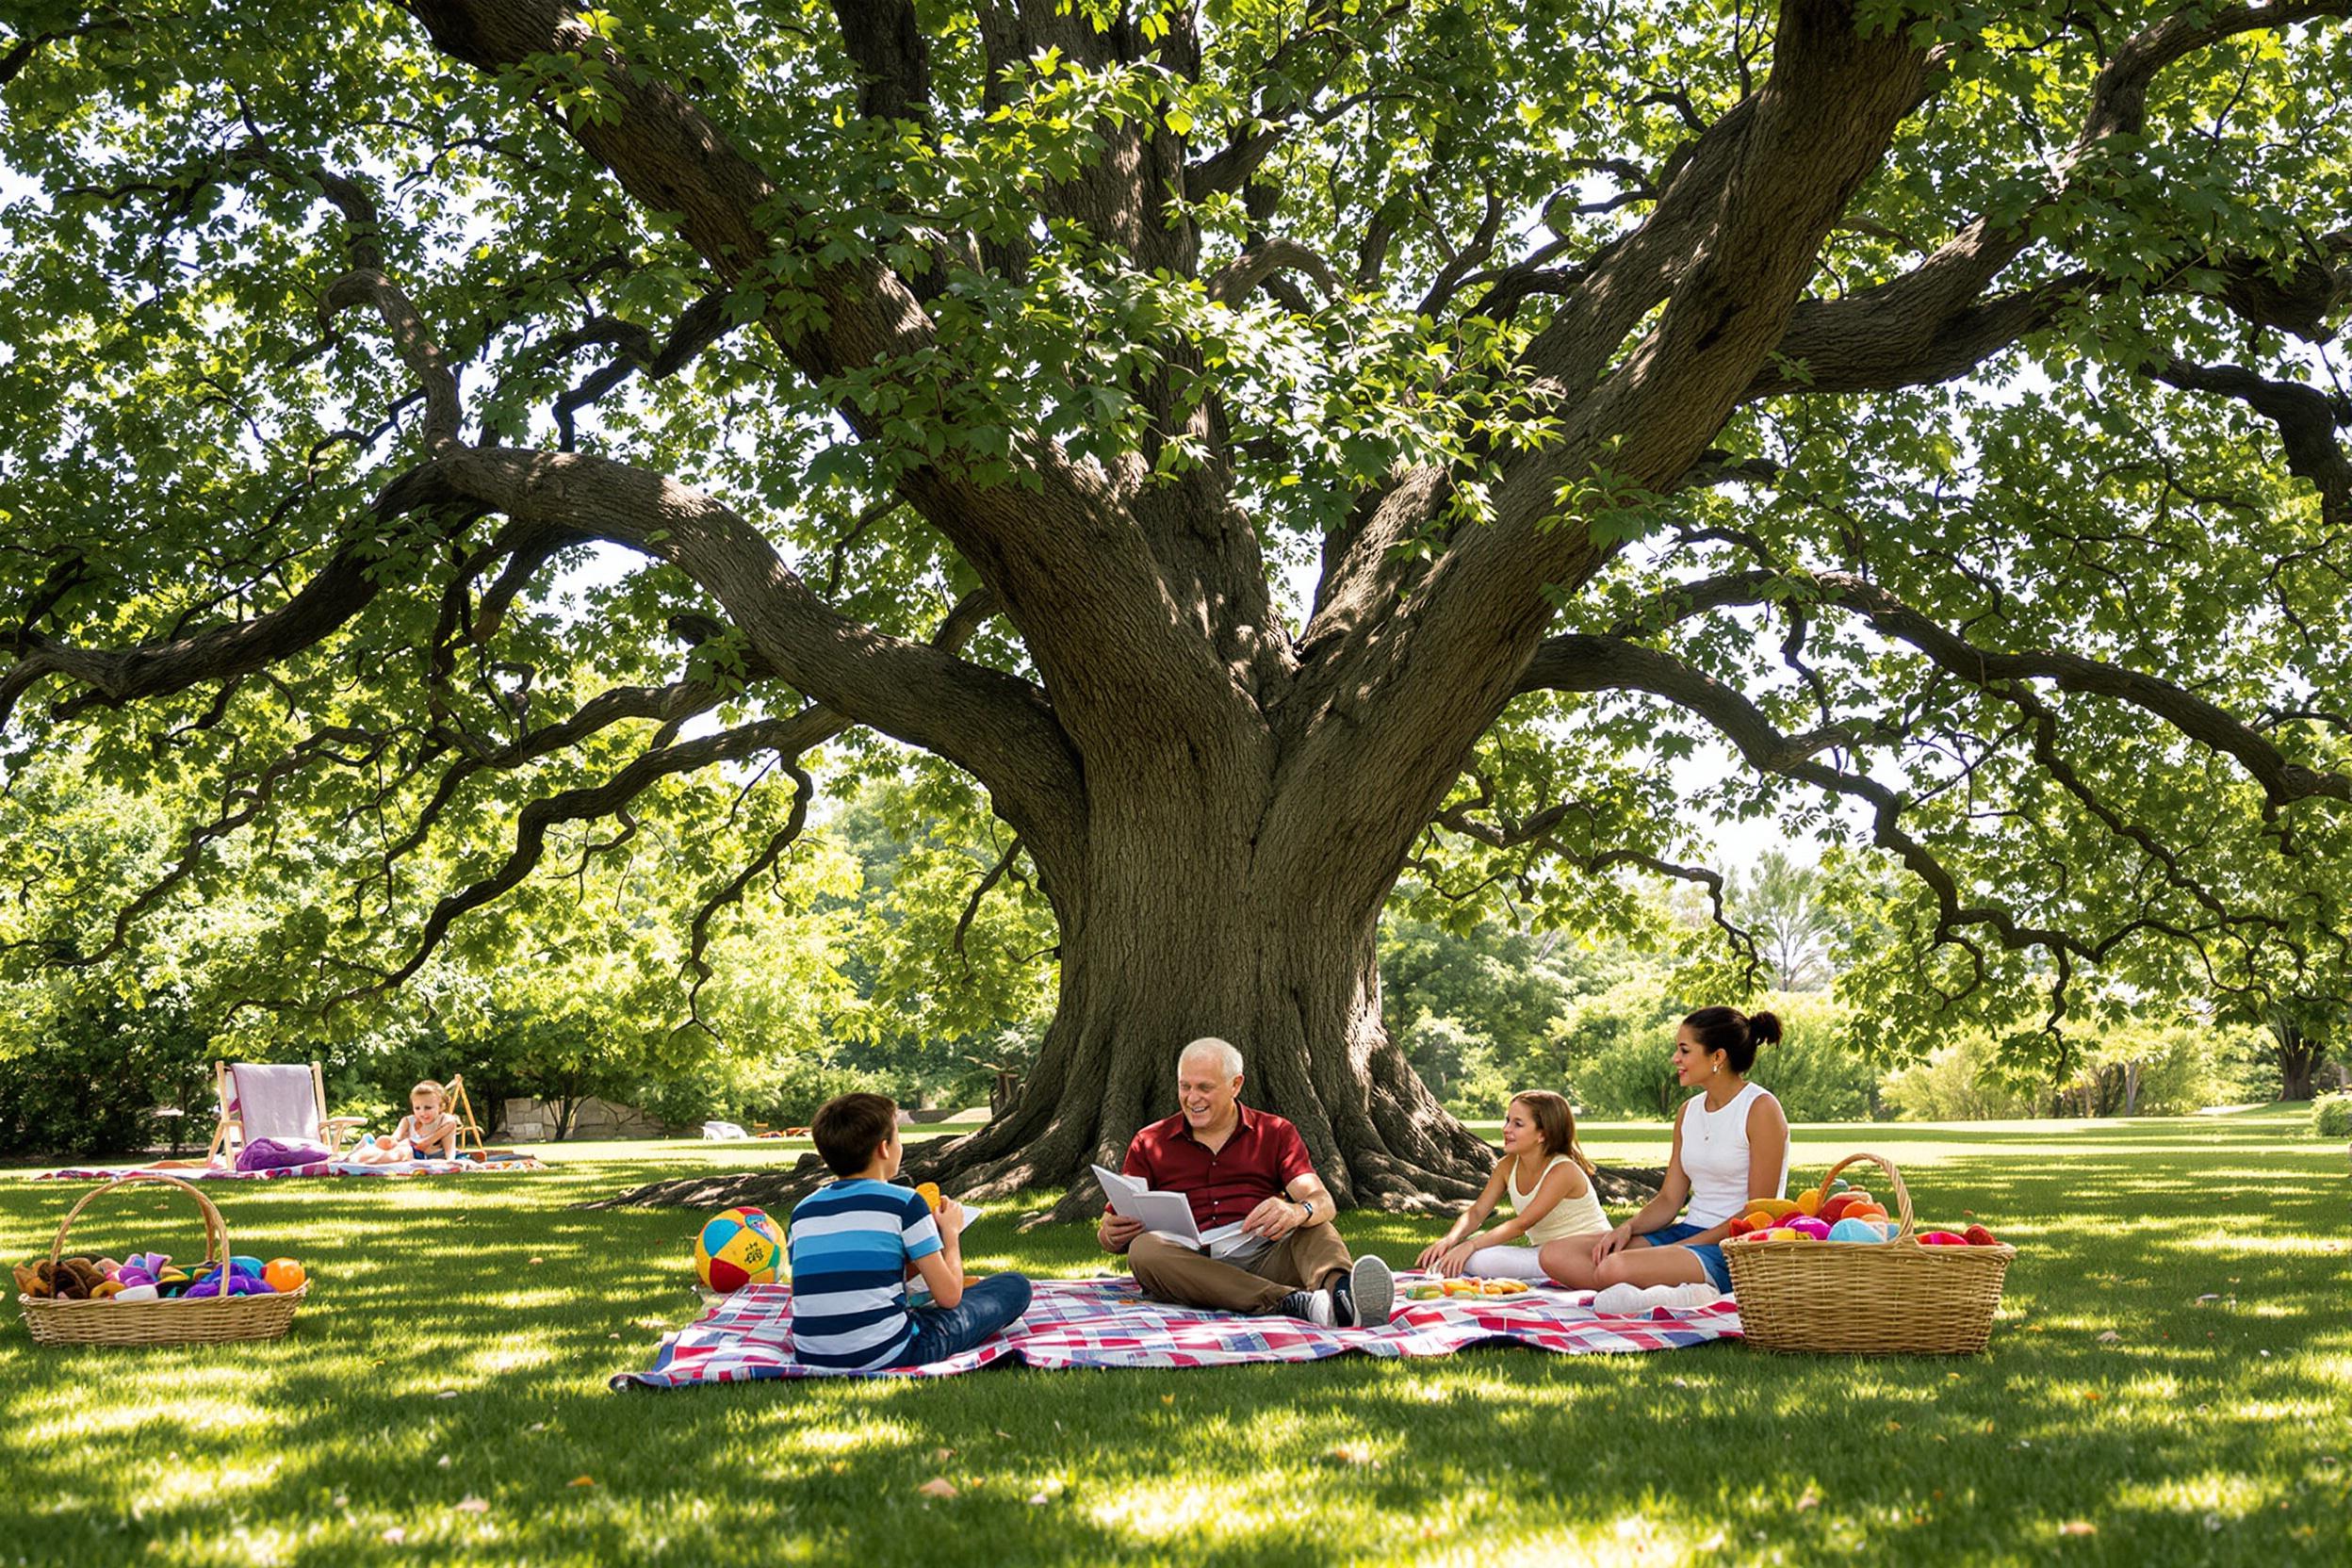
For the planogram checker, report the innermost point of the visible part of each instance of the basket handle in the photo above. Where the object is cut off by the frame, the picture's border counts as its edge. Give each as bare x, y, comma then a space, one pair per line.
1903, 1194
215, 1228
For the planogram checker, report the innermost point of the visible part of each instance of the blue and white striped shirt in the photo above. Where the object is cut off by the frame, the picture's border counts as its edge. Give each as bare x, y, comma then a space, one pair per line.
850, 1242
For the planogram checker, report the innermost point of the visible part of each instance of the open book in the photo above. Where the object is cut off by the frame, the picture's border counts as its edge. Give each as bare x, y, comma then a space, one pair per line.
1164, 1213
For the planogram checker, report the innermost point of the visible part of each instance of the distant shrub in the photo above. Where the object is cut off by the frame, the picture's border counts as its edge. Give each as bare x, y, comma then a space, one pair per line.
2332, 1116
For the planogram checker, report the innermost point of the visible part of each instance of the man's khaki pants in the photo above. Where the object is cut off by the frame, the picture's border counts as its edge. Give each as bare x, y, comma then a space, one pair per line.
1310, 1258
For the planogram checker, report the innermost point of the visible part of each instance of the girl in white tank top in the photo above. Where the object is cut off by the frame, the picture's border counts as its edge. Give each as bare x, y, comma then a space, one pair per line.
1551, 1196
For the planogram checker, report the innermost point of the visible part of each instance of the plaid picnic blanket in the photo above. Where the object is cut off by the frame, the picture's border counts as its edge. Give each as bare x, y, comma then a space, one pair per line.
317, 1168
1106, 1323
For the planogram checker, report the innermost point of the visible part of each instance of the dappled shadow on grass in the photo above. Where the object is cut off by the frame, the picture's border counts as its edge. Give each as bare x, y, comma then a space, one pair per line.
434, 1336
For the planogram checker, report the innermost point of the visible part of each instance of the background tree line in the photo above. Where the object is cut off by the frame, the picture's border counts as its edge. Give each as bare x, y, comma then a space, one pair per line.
901, 948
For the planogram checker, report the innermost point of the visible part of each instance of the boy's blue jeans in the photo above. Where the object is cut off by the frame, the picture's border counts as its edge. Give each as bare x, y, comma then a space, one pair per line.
987, 1306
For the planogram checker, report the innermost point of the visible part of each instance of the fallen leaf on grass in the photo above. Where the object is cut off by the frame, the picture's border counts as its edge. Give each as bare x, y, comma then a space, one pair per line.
1351, 1453
581, 1481
937, 1486
441, 1464
470, 1503
394, 1536
445, 1394
1810, 1499
536, 1262
2110, 1337
943, 1455
2078, 1527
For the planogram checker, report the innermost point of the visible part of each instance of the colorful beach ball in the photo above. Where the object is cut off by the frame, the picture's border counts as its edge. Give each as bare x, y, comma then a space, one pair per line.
739, 1248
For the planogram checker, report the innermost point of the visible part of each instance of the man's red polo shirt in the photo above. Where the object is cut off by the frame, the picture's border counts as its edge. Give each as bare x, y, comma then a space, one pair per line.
1263, 1156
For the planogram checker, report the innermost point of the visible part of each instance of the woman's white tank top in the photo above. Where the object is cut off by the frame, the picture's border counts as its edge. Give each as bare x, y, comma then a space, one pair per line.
1715, 1156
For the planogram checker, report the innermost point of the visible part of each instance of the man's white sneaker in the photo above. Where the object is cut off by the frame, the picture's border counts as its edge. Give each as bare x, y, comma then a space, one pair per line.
1315, 1306
1371, 1292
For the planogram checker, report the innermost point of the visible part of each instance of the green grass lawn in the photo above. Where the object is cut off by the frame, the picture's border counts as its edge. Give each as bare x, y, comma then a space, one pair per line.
442, 1398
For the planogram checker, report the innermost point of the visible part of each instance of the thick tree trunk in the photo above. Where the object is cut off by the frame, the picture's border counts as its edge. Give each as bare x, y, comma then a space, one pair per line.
2298, 1064
1168, 947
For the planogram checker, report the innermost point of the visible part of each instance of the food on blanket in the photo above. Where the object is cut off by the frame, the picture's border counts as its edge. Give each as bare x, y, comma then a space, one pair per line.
1425, 1293
1502, 1287
737, 1248
284, 1275
929, 1193
1860, 1230
1977, 1236
1461, 1287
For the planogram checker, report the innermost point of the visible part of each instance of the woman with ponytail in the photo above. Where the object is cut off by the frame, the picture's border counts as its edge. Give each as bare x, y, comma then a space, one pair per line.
1731, 1146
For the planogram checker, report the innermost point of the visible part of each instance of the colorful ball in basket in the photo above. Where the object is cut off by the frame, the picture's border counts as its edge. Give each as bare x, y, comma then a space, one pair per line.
737, 1248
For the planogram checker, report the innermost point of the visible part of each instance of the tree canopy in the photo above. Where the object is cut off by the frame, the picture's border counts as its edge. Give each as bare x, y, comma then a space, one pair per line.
1263, 445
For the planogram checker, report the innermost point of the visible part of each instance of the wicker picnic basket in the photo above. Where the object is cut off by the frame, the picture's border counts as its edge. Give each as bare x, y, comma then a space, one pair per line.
207, 1320
1898, 1298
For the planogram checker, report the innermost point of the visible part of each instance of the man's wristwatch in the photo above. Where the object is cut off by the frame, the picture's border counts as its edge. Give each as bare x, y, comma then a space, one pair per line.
1306, 1211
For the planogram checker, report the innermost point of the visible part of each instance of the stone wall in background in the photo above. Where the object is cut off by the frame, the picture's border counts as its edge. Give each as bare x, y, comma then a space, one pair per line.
534, 1121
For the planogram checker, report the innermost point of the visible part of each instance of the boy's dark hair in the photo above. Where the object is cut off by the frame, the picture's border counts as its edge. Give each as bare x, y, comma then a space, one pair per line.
850, 1127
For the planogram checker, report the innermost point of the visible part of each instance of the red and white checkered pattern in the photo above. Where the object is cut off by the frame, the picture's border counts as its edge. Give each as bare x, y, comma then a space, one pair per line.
1105, 1323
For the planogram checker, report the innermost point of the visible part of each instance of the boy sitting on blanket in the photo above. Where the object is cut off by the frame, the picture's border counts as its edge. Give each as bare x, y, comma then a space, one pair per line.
854, 1242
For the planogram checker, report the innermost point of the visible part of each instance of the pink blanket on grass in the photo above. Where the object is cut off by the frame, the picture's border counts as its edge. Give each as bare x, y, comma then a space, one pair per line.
1106, 1323
318, 1167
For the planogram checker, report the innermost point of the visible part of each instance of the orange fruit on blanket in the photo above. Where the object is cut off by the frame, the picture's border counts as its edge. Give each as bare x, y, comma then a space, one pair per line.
1461, 1287
1502, 1287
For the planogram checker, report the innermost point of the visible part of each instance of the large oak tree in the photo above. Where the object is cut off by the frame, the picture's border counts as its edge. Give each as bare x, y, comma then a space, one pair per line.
1265, 444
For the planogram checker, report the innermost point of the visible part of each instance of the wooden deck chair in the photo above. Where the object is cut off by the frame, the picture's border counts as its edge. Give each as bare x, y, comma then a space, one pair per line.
274, 1101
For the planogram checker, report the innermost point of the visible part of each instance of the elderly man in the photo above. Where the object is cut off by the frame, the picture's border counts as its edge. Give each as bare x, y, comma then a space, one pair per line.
1264, 1215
